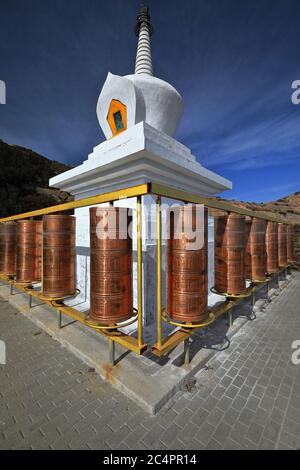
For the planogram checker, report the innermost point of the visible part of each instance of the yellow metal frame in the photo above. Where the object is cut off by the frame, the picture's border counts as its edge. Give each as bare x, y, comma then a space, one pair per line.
163, 345
133, 191
140, 270
45, 298
116, 335
243, 295
185, 196
135, 345
142, 190
97, 326
184, 332
257, 281
210, 319
159, 337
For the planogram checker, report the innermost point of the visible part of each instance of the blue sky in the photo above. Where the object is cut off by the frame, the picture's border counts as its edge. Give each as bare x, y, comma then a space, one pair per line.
232, 61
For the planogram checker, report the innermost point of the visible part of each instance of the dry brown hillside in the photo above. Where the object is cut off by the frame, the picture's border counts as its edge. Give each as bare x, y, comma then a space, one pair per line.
24, 176
287, 207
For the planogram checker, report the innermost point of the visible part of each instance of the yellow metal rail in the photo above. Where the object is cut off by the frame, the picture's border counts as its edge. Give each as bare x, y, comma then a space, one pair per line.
141, 190
185, 196
159, 270
89, 201
140, 269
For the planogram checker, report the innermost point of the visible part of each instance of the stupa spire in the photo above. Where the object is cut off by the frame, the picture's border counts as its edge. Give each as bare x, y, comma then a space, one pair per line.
144, 31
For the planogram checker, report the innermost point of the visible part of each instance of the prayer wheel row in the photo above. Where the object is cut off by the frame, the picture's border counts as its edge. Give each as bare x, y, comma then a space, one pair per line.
244, 249
32, 250
249, 249
20, 250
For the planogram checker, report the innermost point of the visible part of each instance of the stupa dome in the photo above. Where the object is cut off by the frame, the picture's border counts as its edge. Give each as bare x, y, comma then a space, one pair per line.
125, 101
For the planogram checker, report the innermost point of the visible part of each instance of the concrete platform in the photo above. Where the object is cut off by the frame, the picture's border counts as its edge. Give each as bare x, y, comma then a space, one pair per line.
148, 380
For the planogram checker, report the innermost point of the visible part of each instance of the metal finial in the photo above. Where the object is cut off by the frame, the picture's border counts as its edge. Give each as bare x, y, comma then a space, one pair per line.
143, 18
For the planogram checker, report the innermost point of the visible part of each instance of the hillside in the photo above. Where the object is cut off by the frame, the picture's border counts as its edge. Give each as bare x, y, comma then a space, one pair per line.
288, 207
24, 177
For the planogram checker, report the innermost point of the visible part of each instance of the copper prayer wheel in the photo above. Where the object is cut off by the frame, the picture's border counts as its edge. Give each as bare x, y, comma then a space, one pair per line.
187, 281
111, 265
29, 250
8, 248
290, 244
282, 245
230, 254
59, 256
255, 256
272, 247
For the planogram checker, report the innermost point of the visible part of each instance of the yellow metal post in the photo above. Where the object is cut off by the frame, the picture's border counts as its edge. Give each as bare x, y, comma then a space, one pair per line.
140, 270
159, 269
42, 258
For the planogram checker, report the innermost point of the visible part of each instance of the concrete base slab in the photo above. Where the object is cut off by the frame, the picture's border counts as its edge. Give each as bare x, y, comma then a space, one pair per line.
150, 381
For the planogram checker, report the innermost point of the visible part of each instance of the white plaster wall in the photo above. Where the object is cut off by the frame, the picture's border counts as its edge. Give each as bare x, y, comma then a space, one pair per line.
163, 104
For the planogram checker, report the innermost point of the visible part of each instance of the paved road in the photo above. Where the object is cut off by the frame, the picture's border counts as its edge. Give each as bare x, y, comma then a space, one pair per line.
248, 396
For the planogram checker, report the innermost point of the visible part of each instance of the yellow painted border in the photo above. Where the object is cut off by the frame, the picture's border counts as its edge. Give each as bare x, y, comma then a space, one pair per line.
114, 107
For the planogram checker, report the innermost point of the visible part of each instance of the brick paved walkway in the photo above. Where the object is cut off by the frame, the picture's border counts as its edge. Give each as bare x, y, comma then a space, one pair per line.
247, 397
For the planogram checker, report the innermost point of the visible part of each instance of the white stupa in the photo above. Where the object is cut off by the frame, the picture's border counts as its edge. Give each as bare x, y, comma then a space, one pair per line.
139, 115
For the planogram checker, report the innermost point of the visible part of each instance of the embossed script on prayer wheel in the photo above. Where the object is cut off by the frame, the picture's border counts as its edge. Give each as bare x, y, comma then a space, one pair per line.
187, 264
290, 244
39, 248
28, 250
58, 256
111, 265
272, 247
255, 256
8, 248
230, 254
248, 270
282, 245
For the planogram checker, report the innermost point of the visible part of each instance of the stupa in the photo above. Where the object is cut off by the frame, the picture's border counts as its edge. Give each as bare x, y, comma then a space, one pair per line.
139, 115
